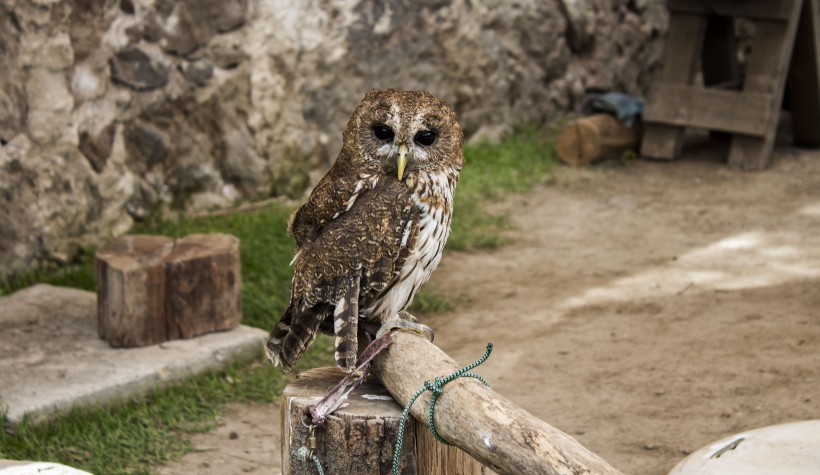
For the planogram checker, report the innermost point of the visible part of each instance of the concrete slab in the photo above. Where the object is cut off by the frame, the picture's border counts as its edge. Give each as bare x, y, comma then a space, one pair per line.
51, 358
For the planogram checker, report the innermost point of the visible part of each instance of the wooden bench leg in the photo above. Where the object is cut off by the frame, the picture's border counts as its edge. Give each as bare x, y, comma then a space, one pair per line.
804, 77
683, 49
766, 73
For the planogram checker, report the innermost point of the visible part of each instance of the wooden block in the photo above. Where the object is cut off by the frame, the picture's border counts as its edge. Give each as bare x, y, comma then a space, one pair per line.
589, 138
804, 77
203, 281
131, 290
360, 437
151, 289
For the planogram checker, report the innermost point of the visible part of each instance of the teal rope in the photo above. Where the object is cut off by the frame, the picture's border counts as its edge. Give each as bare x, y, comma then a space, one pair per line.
304, 453
437, 388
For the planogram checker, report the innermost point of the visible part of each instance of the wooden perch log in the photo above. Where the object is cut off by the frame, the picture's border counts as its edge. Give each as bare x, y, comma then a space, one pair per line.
475, 418
591, 138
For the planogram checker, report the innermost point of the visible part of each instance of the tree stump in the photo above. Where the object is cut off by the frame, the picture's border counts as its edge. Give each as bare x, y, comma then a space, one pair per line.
591, 138
151, 289
131, 290
360, 437
202, 278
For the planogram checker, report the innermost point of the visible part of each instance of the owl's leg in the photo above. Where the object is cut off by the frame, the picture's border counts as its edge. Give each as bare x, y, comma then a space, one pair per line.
405, 321
345, 327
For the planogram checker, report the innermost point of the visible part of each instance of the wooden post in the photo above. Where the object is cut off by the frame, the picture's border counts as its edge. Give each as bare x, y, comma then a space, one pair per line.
589, 138
766, 73
150, 289
361, 436
804, 77
475, 418
683, 47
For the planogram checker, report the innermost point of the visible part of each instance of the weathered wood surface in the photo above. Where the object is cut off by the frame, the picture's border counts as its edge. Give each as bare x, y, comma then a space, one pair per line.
131, 290
151, 289
590, 138
683, 50
714, 109
752, 9
360, 437
766, 73
804, 77
485, 424
203, 279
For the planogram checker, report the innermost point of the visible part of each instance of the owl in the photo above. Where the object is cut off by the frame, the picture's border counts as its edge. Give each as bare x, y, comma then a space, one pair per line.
374, 227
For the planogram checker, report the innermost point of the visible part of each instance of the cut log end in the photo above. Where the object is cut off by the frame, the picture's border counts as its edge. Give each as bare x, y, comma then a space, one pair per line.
590, 138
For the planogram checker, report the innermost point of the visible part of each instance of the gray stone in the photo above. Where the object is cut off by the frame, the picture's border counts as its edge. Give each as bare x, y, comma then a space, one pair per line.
146, 145
13, 110
77, 368
192, 23
197, 72
225, 52
97, 149
135, 69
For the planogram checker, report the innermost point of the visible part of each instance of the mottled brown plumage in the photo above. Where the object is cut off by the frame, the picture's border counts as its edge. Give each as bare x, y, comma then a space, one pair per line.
372, 231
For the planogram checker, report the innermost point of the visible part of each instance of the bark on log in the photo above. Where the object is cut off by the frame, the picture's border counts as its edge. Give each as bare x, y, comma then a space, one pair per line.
591, 138
475, 418
360, 437
131, 290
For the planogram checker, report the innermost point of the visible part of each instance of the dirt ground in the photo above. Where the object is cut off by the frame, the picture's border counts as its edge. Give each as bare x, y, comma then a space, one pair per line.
647, 309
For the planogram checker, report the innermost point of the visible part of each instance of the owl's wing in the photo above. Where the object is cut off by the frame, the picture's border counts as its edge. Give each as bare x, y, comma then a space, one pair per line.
334, 195
356, 255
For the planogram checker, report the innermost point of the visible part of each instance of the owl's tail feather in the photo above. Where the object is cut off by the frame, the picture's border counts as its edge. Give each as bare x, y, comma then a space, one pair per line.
346, 327
291, 336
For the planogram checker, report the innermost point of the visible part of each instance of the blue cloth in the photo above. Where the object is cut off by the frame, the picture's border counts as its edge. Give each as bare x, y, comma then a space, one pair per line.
624, 107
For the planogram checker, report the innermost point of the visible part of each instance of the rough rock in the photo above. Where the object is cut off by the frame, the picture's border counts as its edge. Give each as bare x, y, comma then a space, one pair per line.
135, 69
184, 105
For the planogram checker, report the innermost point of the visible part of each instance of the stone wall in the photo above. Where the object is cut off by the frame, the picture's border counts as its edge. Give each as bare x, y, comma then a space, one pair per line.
113, 110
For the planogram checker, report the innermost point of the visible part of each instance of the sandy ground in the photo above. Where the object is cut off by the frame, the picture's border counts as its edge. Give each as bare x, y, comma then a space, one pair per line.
646, 309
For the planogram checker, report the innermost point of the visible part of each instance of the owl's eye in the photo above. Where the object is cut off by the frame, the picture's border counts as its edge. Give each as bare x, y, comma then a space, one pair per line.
383, 132
426, 137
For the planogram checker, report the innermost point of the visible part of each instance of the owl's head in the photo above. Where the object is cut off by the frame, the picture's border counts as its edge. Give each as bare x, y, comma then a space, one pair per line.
403, 133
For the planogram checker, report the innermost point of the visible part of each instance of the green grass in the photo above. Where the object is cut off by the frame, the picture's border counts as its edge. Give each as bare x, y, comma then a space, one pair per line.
132, 438
492, 171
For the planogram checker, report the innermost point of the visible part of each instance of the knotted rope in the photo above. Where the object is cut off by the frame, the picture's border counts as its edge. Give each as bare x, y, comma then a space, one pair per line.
436, 386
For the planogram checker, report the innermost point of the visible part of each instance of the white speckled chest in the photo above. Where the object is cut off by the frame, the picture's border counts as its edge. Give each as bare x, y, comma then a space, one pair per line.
434, 229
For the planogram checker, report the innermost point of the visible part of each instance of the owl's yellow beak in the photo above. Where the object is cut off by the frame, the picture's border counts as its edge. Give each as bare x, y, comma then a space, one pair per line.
402, 160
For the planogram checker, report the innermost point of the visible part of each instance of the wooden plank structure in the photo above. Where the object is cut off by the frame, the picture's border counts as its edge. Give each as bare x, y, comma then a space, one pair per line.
469, 415
785, 49
151, 289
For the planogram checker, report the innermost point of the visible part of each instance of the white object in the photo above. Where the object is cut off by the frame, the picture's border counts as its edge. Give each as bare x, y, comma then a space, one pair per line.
792, 449
41, 468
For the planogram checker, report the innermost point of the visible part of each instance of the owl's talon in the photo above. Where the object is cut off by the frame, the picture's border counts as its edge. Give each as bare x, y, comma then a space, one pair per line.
400, 324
